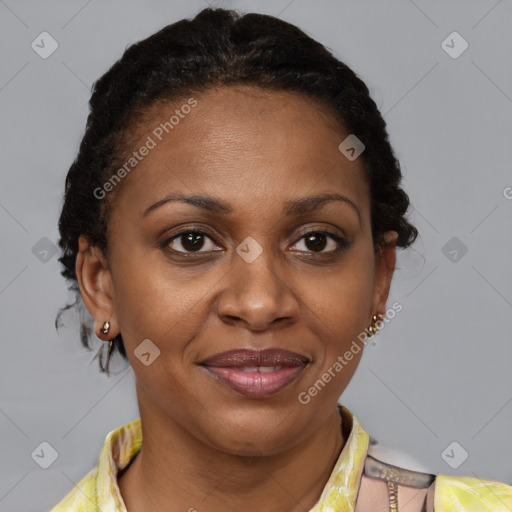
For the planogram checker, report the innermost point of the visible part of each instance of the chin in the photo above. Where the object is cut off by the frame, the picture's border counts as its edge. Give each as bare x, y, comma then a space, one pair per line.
260, 427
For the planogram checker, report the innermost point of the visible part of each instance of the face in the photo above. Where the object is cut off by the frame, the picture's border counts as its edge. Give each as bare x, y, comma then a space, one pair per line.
277, 254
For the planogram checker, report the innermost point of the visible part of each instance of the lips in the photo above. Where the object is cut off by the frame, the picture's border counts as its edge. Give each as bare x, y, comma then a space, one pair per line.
256, 373
252, 358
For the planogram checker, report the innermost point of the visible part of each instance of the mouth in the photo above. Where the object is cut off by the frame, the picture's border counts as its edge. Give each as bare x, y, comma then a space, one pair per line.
256, 373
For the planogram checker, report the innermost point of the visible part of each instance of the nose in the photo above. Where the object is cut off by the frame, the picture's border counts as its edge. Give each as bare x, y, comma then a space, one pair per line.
258, 295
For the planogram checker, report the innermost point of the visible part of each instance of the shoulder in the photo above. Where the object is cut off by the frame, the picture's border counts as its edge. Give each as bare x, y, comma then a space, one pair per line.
394, 488
98, 489
424, 492
471, 494
83, 497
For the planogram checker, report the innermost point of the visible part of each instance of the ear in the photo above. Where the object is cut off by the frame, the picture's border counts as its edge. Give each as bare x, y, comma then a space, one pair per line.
96, 289
385, 261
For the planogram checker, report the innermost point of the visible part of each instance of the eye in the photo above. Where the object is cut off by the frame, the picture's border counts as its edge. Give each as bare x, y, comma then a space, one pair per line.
191, 241
316, 241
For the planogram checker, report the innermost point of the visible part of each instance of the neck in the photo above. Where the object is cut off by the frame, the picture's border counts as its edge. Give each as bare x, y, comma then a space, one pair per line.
176, 471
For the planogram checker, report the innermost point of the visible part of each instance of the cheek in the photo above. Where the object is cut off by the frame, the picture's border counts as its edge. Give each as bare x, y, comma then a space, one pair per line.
344, 306
155, 301
348, 294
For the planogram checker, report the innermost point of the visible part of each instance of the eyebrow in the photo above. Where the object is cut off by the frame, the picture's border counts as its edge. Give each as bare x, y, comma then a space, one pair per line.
296, 207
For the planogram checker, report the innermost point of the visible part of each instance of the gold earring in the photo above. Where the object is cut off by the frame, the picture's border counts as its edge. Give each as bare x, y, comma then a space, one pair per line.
374, 327
106, 327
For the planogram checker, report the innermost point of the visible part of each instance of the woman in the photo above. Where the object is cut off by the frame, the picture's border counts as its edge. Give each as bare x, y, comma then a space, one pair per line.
231, 224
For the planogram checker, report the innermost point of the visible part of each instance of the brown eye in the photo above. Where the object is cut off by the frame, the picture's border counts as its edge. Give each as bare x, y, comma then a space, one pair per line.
190, 241
317, 241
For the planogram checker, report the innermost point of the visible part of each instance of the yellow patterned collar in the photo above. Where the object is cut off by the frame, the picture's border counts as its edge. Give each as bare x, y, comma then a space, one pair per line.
340, 491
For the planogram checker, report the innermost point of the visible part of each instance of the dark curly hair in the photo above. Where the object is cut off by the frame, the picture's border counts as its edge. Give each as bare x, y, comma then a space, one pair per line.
218, 47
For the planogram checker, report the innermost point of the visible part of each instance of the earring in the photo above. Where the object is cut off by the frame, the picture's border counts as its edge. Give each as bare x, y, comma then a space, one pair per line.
106, 327
374, 327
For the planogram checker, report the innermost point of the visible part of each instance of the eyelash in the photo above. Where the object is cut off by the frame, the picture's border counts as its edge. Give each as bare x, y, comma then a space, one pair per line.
342, 243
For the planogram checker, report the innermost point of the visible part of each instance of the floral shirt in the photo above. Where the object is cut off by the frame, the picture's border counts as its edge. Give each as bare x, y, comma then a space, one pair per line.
98, 489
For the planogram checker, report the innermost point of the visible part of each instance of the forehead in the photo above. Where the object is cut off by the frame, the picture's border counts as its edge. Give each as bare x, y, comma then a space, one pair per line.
241, 143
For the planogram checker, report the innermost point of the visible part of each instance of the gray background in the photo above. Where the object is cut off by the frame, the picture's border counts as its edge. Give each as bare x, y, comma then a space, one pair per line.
439, 372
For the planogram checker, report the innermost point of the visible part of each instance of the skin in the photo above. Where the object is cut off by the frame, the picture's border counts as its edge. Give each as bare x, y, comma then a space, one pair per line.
206, 446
